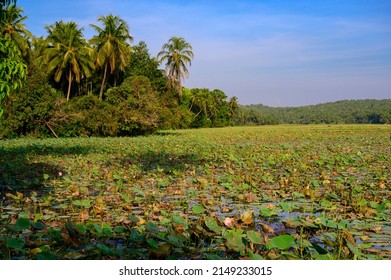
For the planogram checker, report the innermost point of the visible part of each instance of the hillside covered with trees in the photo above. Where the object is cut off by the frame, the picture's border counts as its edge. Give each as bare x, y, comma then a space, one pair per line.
367, 111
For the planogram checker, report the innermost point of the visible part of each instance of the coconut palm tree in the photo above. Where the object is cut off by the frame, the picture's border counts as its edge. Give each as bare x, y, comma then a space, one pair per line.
68, 53
233, 105
201, 101
177, 53
12, 27
112, 46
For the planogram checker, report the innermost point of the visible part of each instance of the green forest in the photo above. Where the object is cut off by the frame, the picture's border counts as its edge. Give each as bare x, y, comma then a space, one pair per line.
369, 111
66, 85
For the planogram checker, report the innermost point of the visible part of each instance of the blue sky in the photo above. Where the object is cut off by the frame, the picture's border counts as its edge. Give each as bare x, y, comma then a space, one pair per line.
274, 52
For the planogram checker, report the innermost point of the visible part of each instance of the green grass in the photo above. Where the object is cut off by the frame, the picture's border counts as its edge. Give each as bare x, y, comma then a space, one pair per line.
271, 192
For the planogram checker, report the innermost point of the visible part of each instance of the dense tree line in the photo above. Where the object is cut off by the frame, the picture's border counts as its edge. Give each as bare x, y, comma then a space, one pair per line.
368, 111
104, 86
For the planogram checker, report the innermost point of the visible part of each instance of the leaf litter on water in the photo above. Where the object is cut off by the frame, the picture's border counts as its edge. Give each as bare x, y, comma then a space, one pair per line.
222, 191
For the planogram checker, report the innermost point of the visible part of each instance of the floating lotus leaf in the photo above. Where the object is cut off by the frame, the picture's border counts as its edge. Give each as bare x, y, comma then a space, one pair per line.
212, 225
254, 236
281, 242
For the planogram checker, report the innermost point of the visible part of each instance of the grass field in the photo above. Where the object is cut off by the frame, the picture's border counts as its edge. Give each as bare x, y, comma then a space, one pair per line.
271, 192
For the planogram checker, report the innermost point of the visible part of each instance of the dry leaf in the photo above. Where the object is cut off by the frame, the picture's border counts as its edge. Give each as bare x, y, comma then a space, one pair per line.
250, 198
179, 228
364, 238
83, 216
266, 228
369, 212
241, 197
377, 229
307, 191
202, 181
140, 222
16, 197
349, 237
178, 192
35, 251
247, 217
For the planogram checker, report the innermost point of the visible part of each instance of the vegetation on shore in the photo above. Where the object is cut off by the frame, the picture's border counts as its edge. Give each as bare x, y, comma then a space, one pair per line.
103, 86
65, 85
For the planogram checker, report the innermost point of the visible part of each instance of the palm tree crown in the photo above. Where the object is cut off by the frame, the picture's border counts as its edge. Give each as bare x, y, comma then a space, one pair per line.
68, 53
12, 26
177, 53
112, 45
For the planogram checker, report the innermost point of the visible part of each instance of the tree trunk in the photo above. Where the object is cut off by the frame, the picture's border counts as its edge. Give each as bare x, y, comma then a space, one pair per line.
69, 83
103, 83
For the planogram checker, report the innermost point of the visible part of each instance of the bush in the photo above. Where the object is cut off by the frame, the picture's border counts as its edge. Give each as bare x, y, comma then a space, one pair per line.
32, 110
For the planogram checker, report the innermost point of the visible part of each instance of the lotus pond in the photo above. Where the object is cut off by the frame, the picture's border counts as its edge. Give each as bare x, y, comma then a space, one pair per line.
271, 192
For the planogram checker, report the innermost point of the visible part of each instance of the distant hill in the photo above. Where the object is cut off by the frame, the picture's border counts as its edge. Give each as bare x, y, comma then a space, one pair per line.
346, 111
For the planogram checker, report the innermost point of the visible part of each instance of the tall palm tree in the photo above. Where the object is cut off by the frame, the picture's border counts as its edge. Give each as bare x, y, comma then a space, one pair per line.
12, 27
178, 53
112, 45
68, 53
233, 105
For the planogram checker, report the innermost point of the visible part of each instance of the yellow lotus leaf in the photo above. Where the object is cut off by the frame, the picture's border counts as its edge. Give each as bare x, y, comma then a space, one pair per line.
247, 217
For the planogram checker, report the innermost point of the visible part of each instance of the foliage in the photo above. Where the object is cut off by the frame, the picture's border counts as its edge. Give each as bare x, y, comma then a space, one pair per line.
92, 117
177, 53
135, 105
130, 109
112, 46
39, 110
142, 64
67, 53
133, 108
271, 192
173, 116
12, 69
138, 97
13, 28
346, 111
33, 110
210, 108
